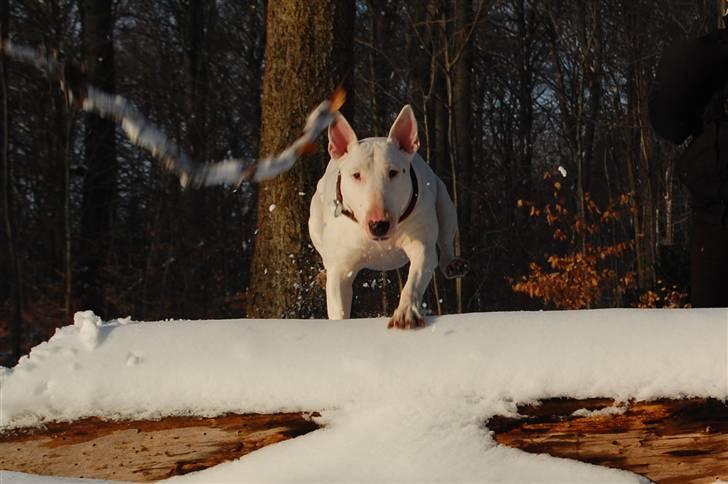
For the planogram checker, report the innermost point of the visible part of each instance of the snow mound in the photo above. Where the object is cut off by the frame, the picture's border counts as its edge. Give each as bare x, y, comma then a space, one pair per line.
397, 405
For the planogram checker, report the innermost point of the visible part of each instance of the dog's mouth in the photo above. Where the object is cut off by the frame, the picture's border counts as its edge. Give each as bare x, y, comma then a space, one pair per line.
377, 237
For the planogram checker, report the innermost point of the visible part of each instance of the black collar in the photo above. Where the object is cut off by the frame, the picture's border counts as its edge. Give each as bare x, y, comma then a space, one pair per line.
407, 211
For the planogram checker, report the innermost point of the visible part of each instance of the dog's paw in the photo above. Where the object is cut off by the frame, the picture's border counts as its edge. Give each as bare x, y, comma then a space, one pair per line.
457, 267
406, 318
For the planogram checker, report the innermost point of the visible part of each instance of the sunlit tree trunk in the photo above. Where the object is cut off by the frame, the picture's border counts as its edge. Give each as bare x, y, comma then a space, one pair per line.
308, 53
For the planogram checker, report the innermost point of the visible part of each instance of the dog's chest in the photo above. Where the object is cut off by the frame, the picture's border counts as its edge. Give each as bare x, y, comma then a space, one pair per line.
382, 256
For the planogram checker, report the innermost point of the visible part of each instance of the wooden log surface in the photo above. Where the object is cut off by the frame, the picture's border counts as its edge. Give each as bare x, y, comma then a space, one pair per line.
666, 441
144, 451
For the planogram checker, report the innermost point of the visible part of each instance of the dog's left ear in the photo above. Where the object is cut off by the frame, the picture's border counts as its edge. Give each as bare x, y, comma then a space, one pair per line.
404, 131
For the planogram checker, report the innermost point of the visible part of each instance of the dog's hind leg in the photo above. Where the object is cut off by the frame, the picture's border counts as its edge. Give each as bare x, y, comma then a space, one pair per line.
447, 220
339, 292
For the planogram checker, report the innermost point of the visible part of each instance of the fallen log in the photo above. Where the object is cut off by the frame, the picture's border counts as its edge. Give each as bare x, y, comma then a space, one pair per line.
666, 441
147, 450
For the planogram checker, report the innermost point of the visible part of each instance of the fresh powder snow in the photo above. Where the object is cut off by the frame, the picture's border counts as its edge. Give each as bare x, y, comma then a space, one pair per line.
405, 406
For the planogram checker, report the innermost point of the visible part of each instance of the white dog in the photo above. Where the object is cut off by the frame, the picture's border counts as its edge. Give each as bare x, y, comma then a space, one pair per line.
378, 206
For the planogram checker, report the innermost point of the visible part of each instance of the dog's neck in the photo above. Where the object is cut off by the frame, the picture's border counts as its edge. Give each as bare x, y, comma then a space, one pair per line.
342, 210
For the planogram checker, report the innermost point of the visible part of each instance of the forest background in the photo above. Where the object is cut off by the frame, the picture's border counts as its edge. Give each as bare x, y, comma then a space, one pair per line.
533, 112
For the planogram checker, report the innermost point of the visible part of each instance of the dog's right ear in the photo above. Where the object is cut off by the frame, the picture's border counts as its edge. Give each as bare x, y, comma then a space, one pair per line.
340, 137
404, 131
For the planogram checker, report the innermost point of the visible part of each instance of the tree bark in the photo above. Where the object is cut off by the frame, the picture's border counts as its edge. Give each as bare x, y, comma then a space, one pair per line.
100, 156
308, 53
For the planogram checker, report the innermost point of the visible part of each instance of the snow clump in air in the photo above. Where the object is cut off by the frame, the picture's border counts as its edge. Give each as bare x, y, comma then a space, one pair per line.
88, 325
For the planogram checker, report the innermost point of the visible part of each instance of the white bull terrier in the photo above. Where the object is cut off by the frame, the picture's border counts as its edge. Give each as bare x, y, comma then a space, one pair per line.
378, 206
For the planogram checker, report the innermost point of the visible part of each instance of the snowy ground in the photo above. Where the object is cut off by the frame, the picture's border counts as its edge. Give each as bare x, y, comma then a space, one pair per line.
406, 406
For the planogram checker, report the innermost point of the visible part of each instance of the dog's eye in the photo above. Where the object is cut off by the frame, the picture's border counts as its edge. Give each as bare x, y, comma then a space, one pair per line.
356, 176
393, 173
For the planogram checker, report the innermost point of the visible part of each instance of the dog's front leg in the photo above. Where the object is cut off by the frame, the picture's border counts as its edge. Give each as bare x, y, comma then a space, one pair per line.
338, 292
423, 260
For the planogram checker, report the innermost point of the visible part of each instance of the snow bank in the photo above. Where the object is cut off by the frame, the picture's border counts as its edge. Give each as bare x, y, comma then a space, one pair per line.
7, 477
398, 405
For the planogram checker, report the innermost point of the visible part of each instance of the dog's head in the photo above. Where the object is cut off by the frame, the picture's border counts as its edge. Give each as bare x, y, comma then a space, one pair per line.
375, 179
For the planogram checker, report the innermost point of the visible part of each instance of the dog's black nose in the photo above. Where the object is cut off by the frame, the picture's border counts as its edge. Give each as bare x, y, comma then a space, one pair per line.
379, 228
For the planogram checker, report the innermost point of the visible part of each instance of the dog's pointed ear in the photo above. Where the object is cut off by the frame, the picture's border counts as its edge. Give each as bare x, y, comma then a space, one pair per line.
404, 131
340, 137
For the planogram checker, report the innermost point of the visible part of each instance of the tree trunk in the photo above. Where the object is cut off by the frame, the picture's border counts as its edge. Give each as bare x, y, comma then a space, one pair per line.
379, 15
308, 53
15, 316
439, 107
721, 12
638, 155
422, 80
195, 205
67, 221
591, 23
100, 156
163, 448
524, 22
462, 101
462, 120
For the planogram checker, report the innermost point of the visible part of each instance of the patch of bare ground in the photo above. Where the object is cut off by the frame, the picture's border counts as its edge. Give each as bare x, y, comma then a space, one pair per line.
667, 441
147, 450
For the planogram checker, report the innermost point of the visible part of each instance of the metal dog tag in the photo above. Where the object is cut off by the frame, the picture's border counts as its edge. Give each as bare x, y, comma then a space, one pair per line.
337, 208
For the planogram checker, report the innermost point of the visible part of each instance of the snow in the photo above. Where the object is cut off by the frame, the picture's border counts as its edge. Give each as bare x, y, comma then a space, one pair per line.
88, 325
611, 410
409, 406
7, 477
